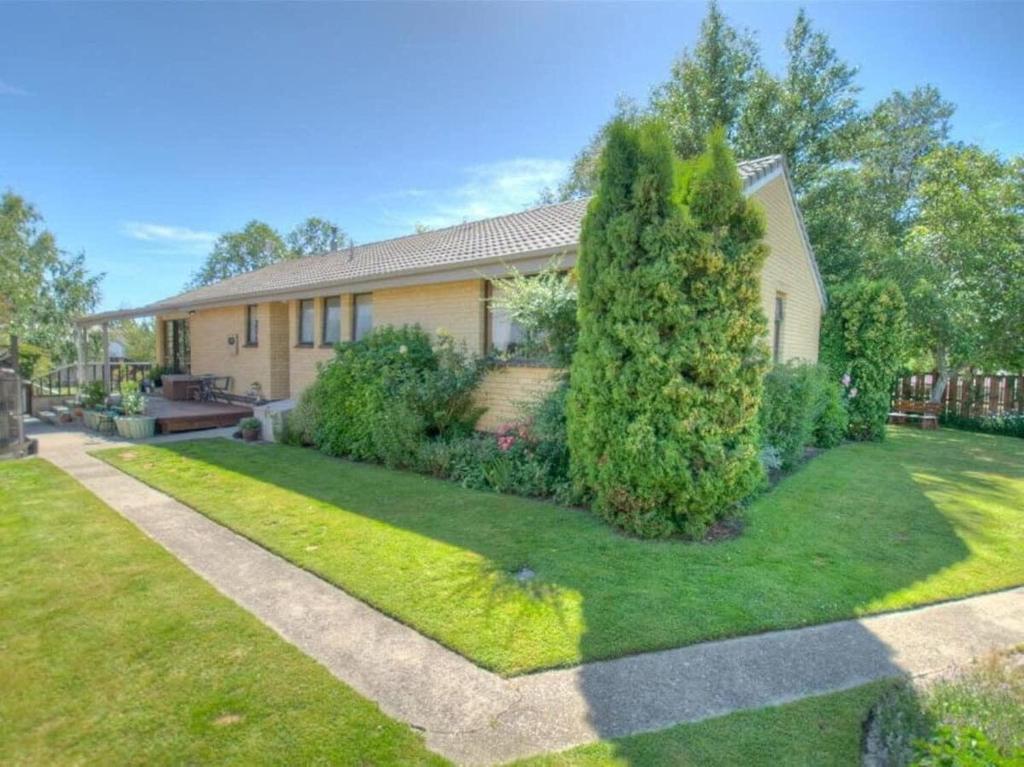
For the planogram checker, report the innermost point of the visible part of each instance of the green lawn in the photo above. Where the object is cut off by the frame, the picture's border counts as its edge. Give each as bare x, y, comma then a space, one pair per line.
824, 730
922, 517
112, 652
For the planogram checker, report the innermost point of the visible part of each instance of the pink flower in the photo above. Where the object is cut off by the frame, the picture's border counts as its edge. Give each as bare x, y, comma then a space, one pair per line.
846, 379
505, 442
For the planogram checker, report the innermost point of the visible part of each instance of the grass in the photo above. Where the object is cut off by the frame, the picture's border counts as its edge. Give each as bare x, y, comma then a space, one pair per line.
986, 696
865, 528
112, 652
824, 730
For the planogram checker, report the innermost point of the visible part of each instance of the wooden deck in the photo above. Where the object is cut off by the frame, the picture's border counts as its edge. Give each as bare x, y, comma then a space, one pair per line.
172, 416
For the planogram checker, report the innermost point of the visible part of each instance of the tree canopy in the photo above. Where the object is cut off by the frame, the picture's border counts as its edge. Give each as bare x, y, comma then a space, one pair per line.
884, 192
258, 245
42, 288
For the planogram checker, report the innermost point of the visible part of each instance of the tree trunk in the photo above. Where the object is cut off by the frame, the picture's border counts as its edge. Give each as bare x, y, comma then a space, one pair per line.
942, 365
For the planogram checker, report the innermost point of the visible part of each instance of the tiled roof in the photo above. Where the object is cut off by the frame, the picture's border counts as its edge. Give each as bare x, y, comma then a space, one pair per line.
550, 228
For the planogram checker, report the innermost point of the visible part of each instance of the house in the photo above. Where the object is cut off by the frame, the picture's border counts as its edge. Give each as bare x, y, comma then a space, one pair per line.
272, 326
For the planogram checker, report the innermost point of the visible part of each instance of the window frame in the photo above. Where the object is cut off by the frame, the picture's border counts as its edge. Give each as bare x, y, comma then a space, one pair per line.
778, 323
301, 326
489, 347
252, 325
323, 321
354, 334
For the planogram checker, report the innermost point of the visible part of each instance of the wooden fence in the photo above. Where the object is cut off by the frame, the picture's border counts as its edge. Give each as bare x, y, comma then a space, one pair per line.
970, 396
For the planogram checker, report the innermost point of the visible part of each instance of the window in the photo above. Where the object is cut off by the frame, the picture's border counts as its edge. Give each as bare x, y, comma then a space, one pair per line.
362, 315
331, 331
306, 319
780, 316
503, 333
252, 325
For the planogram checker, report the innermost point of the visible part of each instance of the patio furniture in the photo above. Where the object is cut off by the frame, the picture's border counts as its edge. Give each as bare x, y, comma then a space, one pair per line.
925, 414
179, 386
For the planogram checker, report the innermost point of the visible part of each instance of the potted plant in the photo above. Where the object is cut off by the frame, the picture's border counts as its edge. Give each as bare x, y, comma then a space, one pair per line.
92, 397
133, 423
250, 429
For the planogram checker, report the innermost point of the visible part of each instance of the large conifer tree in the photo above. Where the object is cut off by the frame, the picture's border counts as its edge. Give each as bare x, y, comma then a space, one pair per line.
666, 380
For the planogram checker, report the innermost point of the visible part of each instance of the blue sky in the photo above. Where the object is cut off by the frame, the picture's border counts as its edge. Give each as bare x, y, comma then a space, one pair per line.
142, 131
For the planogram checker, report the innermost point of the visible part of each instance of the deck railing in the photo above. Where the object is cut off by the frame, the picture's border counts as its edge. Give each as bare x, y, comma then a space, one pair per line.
63, 381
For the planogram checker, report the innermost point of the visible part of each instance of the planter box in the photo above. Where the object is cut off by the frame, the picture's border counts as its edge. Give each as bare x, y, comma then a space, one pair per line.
135, 426
91, 418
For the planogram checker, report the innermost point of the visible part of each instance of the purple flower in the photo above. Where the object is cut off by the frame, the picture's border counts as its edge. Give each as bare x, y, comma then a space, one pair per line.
846, 379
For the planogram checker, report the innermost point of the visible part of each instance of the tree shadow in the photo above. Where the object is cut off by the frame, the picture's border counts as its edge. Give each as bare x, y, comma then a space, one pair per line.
837, 539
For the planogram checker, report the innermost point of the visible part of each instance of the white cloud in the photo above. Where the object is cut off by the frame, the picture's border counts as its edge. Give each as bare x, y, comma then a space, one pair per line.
6, 89
487, 190
163, 234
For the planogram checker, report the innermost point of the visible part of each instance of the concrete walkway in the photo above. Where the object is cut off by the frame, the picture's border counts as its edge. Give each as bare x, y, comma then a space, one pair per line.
475, 717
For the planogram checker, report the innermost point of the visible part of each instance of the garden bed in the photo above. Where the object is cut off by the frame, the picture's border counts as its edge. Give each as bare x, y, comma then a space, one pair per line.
864, 528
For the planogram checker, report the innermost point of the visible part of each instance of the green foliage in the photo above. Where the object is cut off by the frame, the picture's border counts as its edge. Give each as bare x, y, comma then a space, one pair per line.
802, 406
93, 394
42, 289
1009, 425
959, 747
863, 341
975, 717
256, 246
544, 306
807, 112
315, 237
962, 266
250, 424
382, 396
132, 401
138, 337
667, 376
709, 86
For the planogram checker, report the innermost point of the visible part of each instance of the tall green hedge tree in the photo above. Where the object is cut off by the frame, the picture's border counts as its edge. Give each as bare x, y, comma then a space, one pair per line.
666, 380
863, 342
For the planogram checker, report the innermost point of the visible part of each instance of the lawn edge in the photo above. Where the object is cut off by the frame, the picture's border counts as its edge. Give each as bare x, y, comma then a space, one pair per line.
546, 668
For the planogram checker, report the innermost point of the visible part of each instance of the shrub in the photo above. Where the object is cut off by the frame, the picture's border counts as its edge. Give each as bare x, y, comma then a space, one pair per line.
93, 394
1009, 425
667, 376
132, 401
862, 342
975, 717
802, 406
250, 424
544, 306
832, 420
381, 397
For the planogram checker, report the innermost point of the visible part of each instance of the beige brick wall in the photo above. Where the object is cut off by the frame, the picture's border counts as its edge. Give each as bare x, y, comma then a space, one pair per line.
209, 330
507, 390
787, 272
304, 359
455, 307
265, 363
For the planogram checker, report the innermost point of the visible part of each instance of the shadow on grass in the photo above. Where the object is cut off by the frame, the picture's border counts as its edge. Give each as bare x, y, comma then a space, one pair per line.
862, 523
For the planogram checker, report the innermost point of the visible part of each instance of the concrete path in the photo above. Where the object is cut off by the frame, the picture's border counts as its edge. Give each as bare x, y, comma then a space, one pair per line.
475, 717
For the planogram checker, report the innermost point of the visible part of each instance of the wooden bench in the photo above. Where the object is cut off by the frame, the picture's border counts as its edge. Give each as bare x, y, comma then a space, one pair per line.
926, 414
